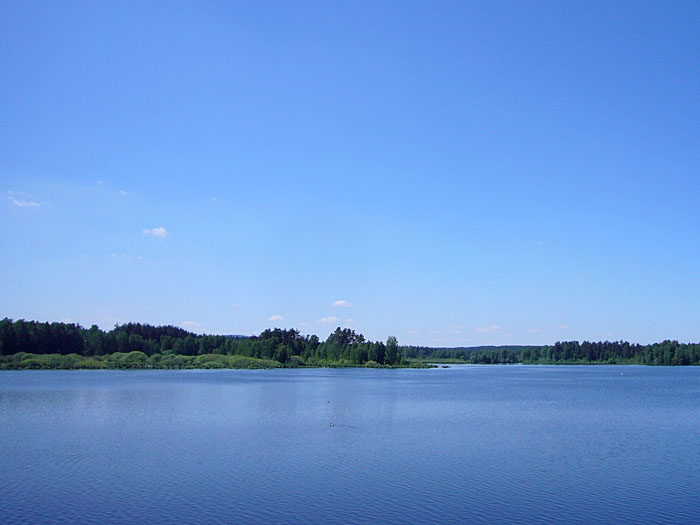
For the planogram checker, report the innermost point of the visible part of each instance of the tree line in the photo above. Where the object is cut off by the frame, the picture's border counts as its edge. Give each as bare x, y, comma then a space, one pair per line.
669, 353
343, 347
174, 347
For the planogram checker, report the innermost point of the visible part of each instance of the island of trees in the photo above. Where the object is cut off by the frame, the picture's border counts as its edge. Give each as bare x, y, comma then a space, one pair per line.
37, 345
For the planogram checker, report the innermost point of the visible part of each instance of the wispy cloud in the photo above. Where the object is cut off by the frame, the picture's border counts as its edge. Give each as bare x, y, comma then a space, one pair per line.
67, 320
563, 327
488, 329
534, 330
22, 200
126, 257
457, 329
326, 320
159, 232
349, 320
275, 318
193, 326
123, 193
342, 303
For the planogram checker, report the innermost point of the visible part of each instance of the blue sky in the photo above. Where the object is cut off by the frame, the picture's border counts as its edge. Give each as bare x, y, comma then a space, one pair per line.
450, 173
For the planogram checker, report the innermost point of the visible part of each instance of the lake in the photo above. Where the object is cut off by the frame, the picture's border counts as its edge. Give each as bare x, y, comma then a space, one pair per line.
487, 444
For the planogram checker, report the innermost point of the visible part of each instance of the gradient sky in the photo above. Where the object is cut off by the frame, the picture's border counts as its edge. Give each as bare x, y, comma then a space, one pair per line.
450, 173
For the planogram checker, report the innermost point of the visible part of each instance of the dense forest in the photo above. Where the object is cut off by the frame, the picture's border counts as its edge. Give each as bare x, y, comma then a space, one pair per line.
136, 345
473, 354
669, 353
32, 344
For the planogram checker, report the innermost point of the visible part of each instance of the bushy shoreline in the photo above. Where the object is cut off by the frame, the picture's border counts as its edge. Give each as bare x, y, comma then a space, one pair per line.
140, 361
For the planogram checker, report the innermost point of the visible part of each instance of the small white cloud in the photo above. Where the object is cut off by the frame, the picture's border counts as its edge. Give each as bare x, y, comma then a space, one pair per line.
22, 199
275, 318
341, 303
349, 320
326, 320
123, 193
563, 327
457, 329
534, 330
159, 232
67, 320
25, 204
99, 182
414, 332
125, 257
488, 329
193, 326
15, 197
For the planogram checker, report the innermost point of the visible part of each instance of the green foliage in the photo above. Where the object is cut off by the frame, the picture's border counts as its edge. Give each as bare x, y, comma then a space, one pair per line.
35, 345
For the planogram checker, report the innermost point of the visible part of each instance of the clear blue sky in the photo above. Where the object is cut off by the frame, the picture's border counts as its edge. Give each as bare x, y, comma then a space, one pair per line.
450, 173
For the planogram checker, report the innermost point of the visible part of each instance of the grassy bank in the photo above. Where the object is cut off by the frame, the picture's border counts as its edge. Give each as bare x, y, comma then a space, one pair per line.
138, 360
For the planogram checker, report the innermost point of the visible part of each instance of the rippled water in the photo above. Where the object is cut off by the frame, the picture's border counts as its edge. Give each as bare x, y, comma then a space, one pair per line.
470, 443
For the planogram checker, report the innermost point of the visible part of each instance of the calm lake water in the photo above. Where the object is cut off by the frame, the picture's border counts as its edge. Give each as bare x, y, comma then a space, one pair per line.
488, 444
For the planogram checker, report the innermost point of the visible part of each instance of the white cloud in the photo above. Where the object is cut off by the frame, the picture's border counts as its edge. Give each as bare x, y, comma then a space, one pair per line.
24, 204
22, 200
457, 329
159, 232
563, 327
193, 326
326, 320
126, 257
349, 320
67, 320
534, 330
488, 329
123, 193
342, 303
275, 318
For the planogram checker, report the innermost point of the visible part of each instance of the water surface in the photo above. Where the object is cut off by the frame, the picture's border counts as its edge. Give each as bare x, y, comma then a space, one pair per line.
520, 444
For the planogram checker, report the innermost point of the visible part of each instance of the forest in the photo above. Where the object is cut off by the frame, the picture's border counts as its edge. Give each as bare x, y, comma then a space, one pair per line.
33, 344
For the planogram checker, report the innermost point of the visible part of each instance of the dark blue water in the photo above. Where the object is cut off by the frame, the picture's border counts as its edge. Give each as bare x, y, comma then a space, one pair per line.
484, 444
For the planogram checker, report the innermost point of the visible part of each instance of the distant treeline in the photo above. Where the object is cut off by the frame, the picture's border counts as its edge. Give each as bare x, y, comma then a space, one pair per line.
342, 347
473, 354
172, 347
567, 352
621, 352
